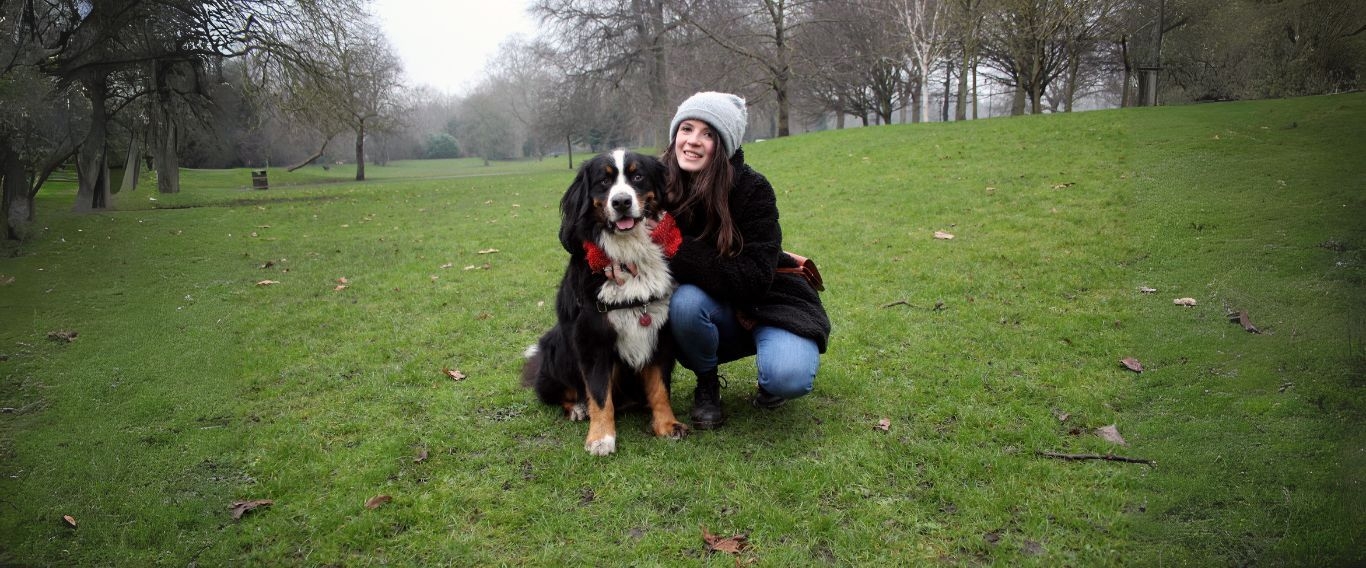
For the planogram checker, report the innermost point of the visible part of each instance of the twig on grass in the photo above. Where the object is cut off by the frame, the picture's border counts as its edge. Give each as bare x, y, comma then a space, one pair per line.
937, 305
1106, 457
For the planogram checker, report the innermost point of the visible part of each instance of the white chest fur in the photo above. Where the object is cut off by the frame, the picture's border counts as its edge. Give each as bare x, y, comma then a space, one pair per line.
636, 342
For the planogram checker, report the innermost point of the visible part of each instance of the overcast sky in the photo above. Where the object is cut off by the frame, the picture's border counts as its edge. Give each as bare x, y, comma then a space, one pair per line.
446, 43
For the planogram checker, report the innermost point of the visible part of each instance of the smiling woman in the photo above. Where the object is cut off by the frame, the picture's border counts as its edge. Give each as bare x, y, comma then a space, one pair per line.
446, 45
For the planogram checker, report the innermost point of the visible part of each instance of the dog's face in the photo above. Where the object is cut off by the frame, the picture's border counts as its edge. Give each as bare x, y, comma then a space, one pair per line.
613, 192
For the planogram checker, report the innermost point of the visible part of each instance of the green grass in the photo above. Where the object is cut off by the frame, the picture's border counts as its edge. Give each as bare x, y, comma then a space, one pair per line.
189, 386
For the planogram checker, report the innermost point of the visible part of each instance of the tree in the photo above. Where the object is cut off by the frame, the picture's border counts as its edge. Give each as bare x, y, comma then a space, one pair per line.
345, 77
924, 27
761, 32
622, 43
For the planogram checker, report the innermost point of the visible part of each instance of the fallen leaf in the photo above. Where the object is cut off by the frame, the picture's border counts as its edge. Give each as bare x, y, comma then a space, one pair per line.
1146, 290
1241, 318
253, 234
1132, 364
6, 280
730, 545
267, 282
941, 235
1188, 302
65, 335
421, 455
69, 520
340, 287
1061, 416
885, 424
1064, 185
268, 264
448, 265
454, 374
376, 501
240, 508
343, 280
488, 251
1111, 434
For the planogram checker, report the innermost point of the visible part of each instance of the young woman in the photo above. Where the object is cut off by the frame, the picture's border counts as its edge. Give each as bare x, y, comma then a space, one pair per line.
732, 303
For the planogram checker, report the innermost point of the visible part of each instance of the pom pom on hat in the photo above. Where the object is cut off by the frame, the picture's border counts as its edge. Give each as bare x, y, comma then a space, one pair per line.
725, 113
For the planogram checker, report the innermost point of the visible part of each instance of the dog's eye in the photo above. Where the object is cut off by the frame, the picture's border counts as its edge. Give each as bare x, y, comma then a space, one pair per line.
637, 178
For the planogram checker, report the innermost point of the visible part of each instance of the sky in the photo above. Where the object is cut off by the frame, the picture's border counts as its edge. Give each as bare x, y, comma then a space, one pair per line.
446, 43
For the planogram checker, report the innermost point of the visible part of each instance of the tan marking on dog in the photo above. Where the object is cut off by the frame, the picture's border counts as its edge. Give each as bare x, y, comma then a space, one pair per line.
602, 424
664, 423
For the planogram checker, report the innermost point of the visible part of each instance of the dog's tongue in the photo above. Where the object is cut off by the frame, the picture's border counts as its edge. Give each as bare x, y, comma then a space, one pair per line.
626, 224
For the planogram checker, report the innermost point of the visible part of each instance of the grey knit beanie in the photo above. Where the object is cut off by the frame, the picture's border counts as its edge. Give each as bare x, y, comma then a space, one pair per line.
723, 111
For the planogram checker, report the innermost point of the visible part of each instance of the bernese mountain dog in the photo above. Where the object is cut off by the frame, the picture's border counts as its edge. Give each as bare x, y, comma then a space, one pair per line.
608, 348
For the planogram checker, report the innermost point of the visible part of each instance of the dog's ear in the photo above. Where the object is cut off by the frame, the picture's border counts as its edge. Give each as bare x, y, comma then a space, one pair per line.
654, 176
572, 208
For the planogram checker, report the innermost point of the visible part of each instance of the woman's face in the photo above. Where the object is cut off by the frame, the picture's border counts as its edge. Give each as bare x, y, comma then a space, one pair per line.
694, 145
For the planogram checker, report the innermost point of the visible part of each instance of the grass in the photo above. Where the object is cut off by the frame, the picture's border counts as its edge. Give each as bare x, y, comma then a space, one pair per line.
189, 386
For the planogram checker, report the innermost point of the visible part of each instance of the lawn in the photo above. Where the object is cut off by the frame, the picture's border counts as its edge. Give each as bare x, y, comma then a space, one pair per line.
190, 385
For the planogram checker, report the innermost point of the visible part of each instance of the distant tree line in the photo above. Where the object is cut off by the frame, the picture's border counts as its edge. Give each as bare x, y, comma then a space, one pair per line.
105, 88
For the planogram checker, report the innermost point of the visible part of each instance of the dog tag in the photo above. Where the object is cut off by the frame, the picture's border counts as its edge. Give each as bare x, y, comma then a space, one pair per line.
645, 319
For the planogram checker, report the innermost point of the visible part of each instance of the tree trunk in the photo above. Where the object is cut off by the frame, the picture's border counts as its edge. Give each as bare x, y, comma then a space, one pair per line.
132, 164
164, 154
780, 88
92, 169
569, 149
960, 107
1017, 101
360, 152
1124, 100
948, 82
17, 201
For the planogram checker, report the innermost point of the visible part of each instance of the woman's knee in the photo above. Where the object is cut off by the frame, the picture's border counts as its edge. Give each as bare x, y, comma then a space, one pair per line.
788, 377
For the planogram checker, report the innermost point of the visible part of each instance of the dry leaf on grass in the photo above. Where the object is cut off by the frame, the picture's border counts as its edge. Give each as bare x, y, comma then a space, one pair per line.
421, 455
340, 287
1132, 364
885, 424
488, 251
342, 280
240, 508
1241, 318
1188, 302
1111, 434
1147, 290
1061, 416
730, 545
376, 501
941, 235
267, 282
69, 520
5, 280
453, 374
448, 265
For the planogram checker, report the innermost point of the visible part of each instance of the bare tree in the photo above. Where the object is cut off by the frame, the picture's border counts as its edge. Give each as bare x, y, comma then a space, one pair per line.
925, 28
623, 43
761, 31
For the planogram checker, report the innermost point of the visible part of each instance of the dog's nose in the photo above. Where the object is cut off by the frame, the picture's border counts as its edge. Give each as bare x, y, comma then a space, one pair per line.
621, 202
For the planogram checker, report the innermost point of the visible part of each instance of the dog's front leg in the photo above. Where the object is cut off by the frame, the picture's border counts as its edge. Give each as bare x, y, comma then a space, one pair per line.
602, 416
664, 423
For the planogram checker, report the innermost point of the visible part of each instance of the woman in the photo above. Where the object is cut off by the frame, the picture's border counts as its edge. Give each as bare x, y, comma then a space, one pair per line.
731, 303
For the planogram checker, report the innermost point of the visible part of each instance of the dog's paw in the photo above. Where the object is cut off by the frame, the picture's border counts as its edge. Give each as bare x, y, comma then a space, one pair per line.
673, 431
578, 413
601, 447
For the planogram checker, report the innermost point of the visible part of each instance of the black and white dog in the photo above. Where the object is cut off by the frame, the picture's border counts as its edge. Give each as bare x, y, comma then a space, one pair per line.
608, 347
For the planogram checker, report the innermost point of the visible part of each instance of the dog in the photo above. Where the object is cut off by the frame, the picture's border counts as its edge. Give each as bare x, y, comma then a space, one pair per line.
609, 348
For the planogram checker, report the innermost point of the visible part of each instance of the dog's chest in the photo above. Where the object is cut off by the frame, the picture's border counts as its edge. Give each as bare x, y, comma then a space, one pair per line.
637, 327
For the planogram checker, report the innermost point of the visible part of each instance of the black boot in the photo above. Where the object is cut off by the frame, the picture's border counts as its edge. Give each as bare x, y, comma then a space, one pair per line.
706, 402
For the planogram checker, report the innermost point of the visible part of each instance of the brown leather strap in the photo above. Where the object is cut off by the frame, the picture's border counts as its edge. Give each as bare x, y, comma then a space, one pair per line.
806, 268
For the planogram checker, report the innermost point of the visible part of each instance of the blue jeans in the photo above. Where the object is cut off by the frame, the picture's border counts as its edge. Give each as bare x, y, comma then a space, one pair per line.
708, 334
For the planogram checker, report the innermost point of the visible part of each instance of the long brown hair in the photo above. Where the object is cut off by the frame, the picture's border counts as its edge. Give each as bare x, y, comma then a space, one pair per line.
704, 196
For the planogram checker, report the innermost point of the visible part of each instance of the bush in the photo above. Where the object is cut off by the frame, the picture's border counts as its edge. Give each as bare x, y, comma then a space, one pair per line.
441, 145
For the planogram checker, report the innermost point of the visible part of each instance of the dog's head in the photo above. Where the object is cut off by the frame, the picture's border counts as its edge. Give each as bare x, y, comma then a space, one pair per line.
613, 193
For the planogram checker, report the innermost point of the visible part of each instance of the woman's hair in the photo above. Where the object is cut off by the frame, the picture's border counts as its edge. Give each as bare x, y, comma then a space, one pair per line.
704, 196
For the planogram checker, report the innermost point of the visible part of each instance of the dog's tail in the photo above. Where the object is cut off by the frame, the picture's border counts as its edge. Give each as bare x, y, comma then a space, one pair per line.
532, 367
